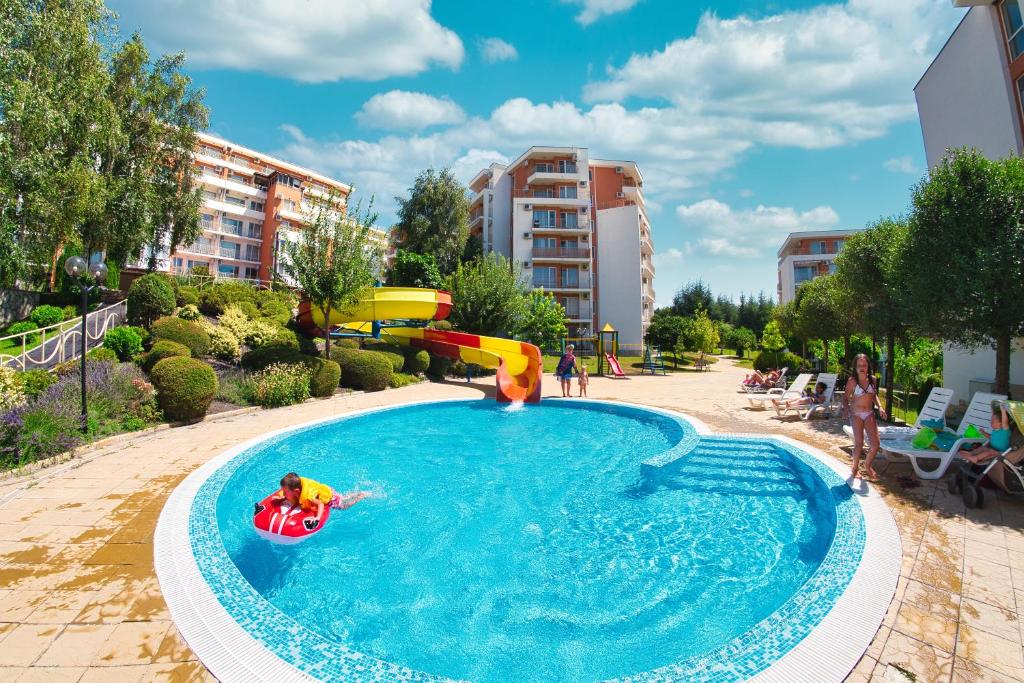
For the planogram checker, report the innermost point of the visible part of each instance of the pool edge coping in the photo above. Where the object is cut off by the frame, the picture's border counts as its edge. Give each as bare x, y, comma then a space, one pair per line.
832, 648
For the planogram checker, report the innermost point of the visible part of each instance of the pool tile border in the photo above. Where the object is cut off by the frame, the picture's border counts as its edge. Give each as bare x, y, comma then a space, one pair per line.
220, 630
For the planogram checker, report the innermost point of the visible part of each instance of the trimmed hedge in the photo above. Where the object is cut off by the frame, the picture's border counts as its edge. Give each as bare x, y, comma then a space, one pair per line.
276, 311
46, 315
163, 348
185, 387
189, 312
102, 354
124, 341
416, 361
766, 360
70, 311
184, 332
438, 366
249, 308
257, 359
35, 382
187, 296
366, 370
150, 297
345, 343
393, 353
25, 326
324, 376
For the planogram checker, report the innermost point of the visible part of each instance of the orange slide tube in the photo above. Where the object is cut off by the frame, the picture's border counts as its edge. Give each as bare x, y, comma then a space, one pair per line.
519, 364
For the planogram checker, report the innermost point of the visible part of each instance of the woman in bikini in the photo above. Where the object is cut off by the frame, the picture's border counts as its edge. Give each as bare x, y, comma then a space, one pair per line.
859, 401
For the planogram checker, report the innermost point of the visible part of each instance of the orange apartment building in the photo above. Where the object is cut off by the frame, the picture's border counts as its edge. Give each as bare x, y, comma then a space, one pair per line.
252, 204
804, 256
580, 228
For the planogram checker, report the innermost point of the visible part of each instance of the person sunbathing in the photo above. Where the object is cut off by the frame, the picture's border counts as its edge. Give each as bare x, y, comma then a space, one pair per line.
811, 399
757, 379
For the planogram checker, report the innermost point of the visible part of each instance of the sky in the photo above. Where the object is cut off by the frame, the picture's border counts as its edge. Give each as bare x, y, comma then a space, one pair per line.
749, 120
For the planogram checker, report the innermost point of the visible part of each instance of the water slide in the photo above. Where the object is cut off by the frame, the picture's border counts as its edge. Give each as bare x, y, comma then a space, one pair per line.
519, 365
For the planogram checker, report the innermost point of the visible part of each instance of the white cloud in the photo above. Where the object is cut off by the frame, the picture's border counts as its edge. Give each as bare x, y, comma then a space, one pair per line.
746, 193
813, 78
901, 165
748, 233
592, 10
400, 109
670, 254
497, 50
314, 41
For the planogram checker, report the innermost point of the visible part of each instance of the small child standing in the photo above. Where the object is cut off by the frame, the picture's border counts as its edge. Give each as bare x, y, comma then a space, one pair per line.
583, 379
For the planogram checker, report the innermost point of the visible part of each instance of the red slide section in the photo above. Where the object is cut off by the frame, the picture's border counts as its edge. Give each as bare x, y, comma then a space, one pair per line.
613, 363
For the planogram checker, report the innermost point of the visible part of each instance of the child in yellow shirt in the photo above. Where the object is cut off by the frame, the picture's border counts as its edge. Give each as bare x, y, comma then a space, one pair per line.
309, 494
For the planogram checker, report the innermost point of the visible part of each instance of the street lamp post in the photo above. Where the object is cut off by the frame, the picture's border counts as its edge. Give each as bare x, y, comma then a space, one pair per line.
81, 271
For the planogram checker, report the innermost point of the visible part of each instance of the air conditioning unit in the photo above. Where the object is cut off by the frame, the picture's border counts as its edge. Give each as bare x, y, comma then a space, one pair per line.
584, 238
583, 183
584, 296
526, 264
619, 169
528, 207
583, 209
575, 158
585, 266
527, 235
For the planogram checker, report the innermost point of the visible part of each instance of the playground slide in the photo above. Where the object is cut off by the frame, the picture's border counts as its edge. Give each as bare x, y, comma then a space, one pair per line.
613, 363
519, 365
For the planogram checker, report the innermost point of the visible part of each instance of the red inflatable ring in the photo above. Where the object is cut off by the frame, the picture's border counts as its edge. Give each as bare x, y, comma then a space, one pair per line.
280, 522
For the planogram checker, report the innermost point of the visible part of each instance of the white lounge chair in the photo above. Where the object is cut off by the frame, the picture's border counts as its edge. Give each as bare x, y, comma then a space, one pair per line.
796, 390
805, 411
934, 409
979, 414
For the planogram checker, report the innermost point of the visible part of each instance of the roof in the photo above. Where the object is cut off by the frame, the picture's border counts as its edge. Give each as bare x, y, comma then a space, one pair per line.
810, 234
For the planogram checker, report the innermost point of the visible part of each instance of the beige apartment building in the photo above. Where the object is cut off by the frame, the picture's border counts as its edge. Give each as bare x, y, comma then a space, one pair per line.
804, 256
580, 228
252, 204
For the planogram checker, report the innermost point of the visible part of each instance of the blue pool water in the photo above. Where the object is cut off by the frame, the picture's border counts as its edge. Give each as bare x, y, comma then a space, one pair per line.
524, 545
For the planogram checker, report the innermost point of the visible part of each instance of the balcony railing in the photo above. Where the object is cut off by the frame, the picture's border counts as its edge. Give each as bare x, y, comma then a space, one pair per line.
558, 225
199, 248
566, 169
561, 252
230, 253
543, 198
577, 312
564, 283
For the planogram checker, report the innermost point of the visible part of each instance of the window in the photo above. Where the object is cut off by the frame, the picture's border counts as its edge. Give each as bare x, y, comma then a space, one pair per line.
230, 249
236, 201
227, 271
567, 192
251, 273
570, 277
239, 178
252, 252
831, 268
256, 206
231, 225
839, 245
545, 167
570, 221
206, 219
1013, 22
208, 194
544, 192
544, 218
544, 276
178, 263
545, 243
570, 244
565, 166
255, 230
802, 274
818, 247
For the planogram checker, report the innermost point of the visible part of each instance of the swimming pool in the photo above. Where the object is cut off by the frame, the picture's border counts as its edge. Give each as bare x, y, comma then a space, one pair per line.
576, 540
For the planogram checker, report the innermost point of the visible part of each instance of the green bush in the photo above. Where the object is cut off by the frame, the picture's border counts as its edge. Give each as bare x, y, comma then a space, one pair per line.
103, 354
189, 312
345, 343
124, 341
35, 382
46, 315
767, 360
25, 326
366, 370
403, 379
261, 333
223, 343
324, 376
184, 332
150, 297
69, 312
442, 325
438, 366
234, 388
185, 387
280, 384
163, 348
393, 353
12, 389
187, 296
143, 333
416, 361
215, 298
249, 308
212, 302
257, 359
276, 311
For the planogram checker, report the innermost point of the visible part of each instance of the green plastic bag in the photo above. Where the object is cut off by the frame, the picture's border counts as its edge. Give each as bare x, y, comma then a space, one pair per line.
923, 439
972, 432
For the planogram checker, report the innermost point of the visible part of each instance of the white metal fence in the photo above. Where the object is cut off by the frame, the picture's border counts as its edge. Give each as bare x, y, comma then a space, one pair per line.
48, 346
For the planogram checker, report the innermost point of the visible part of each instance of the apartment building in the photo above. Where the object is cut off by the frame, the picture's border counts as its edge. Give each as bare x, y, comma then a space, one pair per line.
804, 256
579, 227
971, 96
252, 204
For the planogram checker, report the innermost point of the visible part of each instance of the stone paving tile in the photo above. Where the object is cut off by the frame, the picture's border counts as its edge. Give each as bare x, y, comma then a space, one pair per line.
910, 654
1003, 656
981, 616
23, 645
132, 642
51, 674
965, 671
77, 645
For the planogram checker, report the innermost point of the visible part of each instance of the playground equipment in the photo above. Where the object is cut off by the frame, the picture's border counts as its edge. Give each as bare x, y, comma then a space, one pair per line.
608, 351
653, 362
400, 314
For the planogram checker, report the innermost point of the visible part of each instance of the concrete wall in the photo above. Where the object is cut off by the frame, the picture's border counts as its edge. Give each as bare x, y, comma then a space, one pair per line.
966, 97
16, 304
966, 372
619, 276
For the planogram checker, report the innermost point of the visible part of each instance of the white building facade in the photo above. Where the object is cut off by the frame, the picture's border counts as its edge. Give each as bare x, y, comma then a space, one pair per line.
804, 256
579, 228
971, 96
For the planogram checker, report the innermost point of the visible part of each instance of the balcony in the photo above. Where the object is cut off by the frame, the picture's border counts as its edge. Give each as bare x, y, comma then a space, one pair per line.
578, 312
647, 266
290, 215
561, 253
568, 173
232, 185
555, 284
225, 229
476, 220
522, 197
205, 248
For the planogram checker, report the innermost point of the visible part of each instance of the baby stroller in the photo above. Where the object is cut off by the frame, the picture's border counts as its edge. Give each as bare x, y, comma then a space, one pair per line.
1005, 471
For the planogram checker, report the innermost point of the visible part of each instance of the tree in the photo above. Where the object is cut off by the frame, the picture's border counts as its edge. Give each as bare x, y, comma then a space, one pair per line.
772, 339
409, 269
868, 268
543, 320
488, 295
334, 262
961, 270
665, 329
435, 218
817, 314
692, 297
703, 333
743, 339
725, 332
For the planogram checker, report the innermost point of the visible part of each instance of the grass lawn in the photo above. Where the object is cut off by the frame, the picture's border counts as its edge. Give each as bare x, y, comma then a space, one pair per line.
13, 346
631, 365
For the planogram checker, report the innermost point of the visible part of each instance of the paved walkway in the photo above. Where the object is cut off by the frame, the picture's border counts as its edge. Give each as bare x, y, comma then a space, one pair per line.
79, 600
